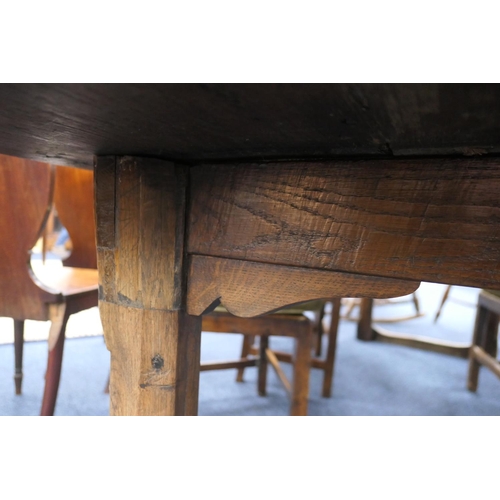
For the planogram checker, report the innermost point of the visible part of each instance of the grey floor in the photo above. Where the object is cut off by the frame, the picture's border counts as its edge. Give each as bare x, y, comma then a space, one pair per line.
370, 378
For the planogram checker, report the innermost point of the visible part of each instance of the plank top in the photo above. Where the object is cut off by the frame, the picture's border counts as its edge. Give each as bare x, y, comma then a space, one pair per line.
69, 123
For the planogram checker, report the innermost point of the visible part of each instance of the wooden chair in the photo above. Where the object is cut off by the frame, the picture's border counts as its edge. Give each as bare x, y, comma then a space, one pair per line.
367, 331
26, 190
352, 303
485, 339
447, 296
291, 322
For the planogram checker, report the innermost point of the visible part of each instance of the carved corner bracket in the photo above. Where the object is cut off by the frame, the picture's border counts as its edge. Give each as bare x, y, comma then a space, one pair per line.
249, 289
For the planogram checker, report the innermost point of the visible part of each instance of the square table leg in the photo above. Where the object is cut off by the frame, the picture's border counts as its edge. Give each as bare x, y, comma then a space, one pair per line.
154, 343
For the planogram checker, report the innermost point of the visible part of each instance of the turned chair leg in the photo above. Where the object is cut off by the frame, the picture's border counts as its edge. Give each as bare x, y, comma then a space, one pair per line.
248, 341
332, 346
262, 376
53, 374
18, 353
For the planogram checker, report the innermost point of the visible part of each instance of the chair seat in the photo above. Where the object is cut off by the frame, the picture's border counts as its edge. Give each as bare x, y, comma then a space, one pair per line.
296, 310
67, 281
294, 322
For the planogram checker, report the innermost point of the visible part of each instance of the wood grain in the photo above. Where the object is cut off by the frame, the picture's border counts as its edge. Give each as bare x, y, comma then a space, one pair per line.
250, 288
151, 353
25, 197
154, 344
146, 222
301, 372
73, 199
67, 123
432, 220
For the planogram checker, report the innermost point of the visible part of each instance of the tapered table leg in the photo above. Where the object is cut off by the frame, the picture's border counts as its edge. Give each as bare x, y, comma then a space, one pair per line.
154, 343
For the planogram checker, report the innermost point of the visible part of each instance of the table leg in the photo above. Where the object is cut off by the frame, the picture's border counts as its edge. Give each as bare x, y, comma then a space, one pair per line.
154, 343
365, 330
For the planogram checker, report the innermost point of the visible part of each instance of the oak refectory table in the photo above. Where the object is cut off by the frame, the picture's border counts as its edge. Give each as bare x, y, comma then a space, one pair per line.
261, 196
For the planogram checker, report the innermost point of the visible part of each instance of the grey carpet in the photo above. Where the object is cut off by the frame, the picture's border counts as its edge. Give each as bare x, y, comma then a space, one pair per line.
370, 378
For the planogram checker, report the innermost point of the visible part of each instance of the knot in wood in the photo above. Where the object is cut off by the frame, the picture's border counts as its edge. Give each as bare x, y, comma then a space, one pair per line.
157, 362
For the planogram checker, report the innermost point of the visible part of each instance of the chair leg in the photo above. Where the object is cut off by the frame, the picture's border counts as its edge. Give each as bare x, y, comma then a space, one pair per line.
53, 374
485, 336
350, 307
248, 341
443, 300
473, 375
18, 353
262, 376
332, 346
416, 302
318, 329
301, 369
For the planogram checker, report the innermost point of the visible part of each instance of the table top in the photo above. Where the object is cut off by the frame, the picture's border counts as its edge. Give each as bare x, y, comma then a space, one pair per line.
69, 123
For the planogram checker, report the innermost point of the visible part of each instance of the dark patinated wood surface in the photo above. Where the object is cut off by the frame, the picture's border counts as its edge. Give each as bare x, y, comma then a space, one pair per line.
249, 288
432, 220
67, 123
154, 344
